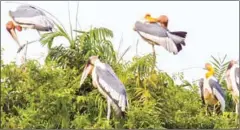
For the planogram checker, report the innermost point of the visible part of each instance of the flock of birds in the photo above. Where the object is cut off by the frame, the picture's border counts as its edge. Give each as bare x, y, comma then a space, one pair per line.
154, 31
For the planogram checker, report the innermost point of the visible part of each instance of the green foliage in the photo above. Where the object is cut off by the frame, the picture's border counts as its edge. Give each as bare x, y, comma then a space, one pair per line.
93, 42
48, 96
220, 67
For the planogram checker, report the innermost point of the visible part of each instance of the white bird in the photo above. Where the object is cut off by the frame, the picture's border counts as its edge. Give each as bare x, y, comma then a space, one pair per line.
211, 91
27, 17
232, 80
108, 84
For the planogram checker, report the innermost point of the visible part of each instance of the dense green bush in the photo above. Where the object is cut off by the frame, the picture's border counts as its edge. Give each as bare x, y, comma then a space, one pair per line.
48, 96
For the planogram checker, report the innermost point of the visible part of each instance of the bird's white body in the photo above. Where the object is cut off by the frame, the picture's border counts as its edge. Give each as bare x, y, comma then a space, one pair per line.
233, 84
114, 98
211, 94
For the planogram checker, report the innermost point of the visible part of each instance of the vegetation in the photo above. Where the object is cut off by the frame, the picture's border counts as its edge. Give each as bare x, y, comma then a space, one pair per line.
48, 96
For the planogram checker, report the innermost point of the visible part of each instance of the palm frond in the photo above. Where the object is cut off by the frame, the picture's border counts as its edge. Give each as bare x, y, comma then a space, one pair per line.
220, 67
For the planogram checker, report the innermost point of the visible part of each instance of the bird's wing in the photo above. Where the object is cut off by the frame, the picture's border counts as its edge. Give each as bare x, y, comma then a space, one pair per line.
29, 15
165, 42
201, 89
217, 91
111, 84
26, 11
155, 29
176, 39
154, 33
151, 28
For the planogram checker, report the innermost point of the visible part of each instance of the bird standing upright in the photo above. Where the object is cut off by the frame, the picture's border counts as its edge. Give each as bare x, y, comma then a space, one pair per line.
211, 91
232, 80
108, 84
27, 17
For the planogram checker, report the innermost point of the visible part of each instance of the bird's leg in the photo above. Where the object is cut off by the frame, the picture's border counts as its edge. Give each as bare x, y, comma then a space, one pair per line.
109, 109
214, 109
206, 109
25, 54
23, 60
154, 55
237, 108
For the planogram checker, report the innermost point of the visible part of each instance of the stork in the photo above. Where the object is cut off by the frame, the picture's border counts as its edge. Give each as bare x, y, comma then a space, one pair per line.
108, 84
211, 91
155, 31
232, 80
27, 17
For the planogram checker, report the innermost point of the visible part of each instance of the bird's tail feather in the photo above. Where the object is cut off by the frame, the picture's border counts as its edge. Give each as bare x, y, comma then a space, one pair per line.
180, 33
179, 47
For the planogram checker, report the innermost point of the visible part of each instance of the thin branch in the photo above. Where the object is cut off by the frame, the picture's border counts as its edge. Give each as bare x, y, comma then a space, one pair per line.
70, 23
25, 55
154, 54
77, 17
124, 53
182, 70
137, 47
120, 43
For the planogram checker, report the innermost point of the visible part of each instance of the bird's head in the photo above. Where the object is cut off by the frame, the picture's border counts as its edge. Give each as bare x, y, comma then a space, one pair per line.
11, 29
210, 70
147, 15
10, 26
208, 67
163, 19
88, 68
231, 63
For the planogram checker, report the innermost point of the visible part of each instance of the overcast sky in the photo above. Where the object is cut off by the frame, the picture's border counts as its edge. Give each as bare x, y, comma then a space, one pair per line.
213, 29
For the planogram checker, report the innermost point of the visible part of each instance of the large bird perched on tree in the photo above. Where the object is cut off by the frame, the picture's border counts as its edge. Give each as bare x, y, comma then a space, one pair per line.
211, 91
108, 84
27, 17
155, 30
232, 80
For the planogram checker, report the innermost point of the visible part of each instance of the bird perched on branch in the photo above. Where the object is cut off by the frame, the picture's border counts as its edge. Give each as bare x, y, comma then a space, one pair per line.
211, 91
155, 30
232, 80
108, 84
27, 17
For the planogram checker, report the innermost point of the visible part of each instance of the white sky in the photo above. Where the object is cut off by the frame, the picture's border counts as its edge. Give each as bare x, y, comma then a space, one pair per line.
213, 29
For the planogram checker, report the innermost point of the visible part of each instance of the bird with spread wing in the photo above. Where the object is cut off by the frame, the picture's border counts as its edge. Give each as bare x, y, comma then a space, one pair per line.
155, 31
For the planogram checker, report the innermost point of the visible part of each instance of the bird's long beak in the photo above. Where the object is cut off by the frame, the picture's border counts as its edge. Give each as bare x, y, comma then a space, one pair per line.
86, 72
11, 29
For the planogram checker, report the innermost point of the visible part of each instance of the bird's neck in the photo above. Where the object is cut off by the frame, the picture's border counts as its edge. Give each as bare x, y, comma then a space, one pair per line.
97, 61
209, 73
